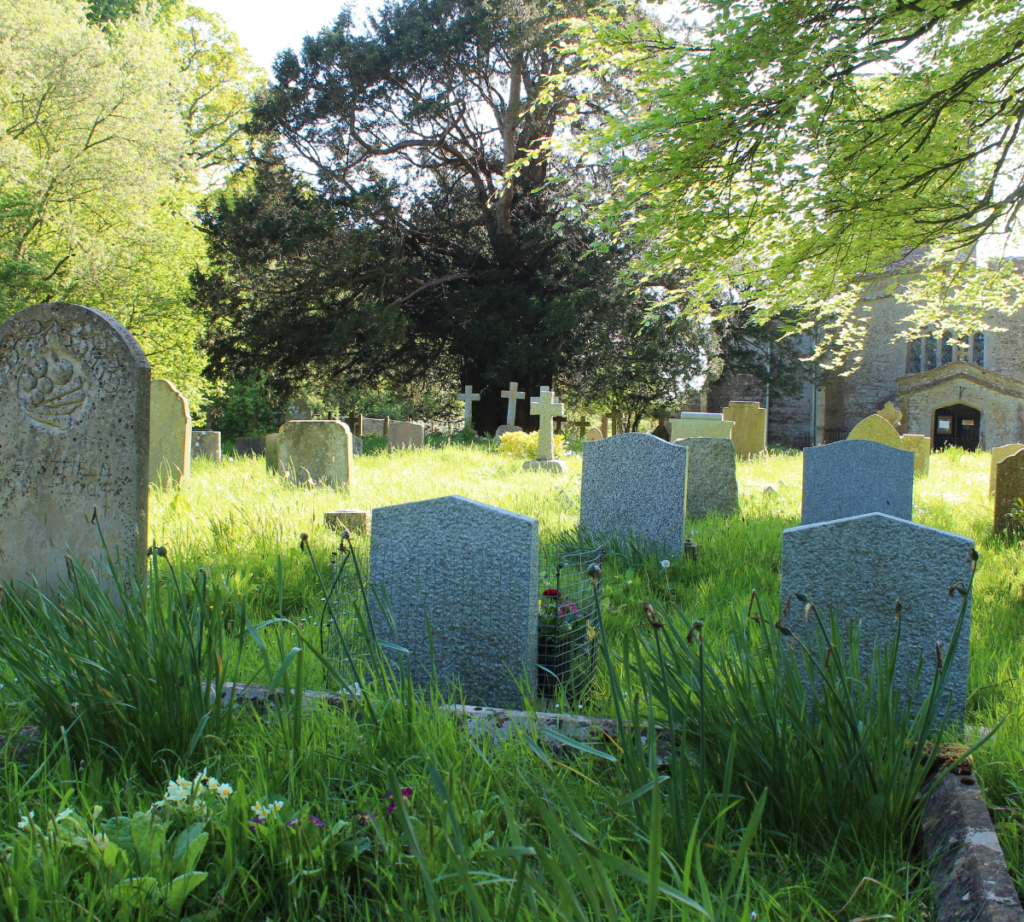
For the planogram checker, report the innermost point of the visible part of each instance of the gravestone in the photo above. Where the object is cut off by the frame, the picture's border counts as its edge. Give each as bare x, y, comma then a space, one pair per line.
357, 521
860, 566
316, 451
271, 453
582, 425
463, 577
299, 409
711, 483
170, 435
1009, 516
74, 442
921, 446
251, 446
467, 397
405, 435
594, 435
856, 477
998, 454
373, 426
750, 434
891, 414
206, 444
512, 395
546, 407
876, 429
501, 430
357, 445
635, 483
616, 419
700, 426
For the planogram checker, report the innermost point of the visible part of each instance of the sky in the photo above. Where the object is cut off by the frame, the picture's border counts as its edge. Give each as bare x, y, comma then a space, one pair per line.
267, 27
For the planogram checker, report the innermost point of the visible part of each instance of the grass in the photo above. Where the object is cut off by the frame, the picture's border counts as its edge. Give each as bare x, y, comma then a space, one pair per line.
489, 831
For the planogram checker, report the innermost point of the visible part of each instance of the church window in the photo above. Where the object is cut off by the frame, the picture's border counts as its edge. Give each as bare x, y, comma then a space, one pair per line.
947, 350
914, 357
931, 355
979, 349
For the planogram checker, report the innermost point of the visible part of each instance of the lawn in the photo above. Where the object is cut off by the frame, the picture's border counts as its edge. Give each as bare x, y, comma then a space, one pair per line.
420, 820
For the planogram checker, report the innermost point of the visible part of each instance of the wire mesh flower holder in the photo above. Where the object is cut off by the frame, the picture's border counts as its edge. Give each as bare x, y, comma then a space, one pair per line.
567, 623
343, 638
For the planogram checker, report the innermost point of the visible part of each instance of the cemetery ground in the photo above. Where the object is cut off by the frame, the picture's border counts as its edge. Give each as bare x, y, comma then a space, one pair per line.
393, 810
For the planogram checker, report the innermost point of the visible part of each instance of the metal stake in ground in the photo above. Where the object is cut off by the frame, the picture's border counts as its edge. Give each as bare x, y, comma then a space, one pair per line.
512, 395
467, 399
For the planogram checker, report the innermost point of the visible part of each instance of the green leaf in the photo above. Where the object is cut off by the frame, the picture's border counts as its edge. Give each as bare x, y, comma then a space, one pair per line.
179, 889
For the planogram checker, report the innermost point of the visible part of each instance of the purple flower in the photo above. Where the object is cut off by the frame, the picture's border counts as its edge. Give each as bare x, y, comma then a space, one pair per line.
365, 818
294, 822
391, 809
258, 821
406, 793
316, 821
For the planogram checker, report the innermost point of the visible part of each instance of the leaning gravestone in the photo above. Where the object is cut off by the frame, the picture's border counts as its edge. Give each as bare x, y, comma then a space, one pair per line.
855, 477
711, 484
316, 451
1009, 514
861, 566
206, 444
700, 426
635, 483
749, 435
999, 454
74, 442
459, 578
170, 435
405, 435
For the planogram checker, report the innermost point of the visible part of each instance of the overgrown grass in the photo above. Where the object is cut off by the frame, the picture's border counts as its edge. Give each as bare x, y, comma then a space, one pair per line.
496, 831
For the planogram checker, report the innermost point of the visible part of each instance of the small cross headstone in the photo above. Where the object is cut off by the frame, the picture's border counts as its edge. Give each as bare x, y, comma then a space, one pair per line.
636, 484
512, 395
74, 443
583, 425
856, 477
546, 406
461, 580
467, 397
860, 567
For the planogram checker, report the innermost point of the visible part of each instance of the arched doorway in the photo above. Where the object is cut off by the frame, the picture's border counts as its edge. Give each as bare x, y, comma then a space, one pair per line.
958, 425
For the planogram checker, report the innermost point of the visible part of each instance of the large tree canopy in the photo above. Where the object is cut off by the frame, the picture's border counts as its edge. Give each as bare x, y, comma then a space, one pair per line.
789, 148
378, 241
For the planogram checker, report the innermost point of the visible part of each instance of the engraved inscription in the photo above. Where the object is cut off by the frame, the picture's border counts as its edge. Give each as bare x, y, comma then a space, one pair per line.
55, 368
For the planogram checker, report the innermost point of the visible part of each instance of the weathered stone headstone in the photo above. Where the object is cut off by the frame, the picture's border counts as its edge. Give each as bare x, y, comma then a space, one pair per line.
546, 407
750, 434
501, 430
460, 577
711, 483
921, 446
170, 435
249, 445
876, 429
856, 477
74, 442
998, 454
271, 453
299, 409
467, 397
357, 445
700, 426
512, 395
616, 418
317, 451
1009, 515
372, 426
356, 521
635, 483
593, 435
405, 435
861, 566
891, 414
206, 444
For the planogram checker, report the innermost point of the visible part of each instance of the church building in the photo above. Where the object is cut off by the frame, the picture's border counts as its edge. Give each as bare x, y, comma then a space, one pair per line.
969, 394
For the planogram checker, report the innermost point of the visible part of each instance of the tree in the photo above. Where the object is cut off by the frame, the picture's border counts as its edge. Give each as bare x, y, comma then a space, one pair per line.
379, 242
792, 148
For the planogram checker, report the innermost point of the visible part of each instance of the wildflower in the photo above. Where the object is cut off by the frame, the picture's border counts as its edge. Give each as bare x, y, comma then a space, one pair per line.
406, 793
224, 791
550, 593
316, 821
366, 817
664, 565
292, 822
260, 811
26, 821
64, 814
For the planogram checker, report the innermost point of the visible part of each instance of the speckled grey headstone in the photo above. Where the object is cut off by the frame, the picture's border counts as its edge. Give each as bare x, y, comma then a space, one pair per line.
711, 483
206, 444
855, 477
74, 441
471, 571
861, 565
635, 483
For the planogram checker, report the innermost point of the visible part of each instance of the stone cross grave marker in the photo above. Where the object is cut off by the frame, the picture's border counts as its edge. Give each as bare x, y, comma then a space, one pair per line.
890, 413
711, 482
1009, 516
583, 425
512, 395
635, 483
74, 442
461, 578
170, 435
316, 451
546, 406
855, 477
860, 566
467, 397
